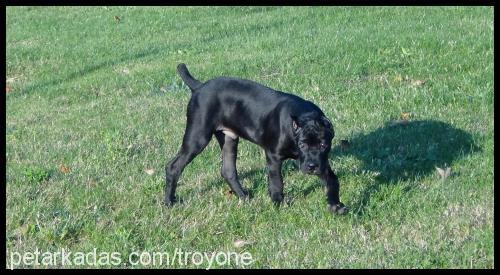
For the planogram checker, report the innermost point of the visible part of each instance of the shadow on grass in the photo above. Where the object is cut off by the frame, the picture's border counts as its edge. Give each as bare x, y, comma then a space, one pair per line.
88, 69
405, 152
398, 152
258, 178
252, 175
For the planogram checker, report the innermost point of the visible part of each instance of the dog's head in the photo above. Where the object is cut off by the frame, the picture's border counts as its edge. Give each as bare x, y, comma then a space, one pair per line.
313, 137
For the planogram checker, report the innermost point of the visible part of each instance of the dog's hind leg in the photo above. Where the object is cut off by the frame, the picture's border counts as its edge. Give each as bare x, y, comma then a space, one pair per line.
229, 147
194, 141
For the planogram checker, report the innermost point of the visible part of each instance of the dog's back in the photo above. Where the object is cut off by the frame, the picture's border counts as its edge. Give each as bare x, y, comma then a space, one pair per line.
284, 125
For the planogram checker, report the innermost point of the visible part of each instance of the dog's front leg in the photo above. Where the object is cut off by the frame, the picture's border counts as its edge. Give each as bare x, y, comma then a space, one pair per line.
332, 192
275, 180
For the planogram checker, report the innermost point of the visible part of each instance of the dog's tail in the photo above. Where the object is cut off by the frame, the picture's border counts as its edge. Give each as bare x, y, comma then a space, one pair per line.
192, 83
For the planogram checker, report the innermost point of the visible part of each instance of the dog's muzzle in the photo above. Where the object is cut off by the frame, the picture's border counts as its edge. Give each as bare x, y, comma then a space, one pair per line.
310, 168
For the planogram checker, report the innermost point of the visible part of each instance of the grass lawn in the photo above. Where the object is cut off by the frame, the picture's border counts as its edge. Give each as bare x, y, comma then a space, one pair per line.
95, 110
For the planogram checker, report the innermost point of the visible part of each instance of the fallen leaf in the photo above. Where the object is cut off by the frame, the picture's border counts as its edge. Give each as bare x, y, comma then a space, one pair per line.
443, 173
12, 79
22, 230
417, 82
405, 116
7, 89
91, 183
64, 169
164, 89
229, 193
398, 78
344, 144
117, 18
240, 243
149, 171
405, 51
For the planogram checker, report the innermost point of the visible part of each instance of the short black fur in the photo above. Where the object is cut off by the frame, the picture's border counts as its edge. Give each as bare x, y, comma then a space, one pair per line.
284, 125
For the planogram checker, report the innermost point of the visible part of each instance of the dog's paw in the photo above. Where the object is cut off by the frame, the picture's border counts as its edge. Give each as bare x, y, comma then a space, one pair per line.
169, 202
339, 208
277, 198
245, 194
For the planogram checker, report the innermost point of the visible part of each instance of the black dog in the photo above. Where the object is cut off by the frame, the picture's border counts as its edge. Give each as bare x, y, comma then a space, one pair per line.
286, 126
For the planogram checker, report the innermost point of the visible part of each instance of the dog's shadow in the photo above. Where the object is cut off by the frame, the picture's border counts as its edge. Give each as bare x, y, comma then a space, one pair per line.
404, 151
397, 152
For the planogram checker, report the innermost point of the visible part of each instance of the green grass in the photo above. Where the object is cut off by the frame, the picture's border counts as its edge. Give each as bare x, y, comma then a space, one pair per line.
102, 98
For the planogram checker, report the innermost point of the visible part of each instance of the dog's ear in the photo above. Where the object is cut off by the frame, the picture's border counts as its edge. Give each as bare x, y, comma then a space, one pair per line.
327, 123
295, 123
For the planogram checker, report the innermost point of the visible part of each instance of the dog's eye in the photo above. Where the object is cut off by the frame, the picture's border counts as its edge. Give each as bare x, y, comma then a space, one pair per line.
302, 145
323, 146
